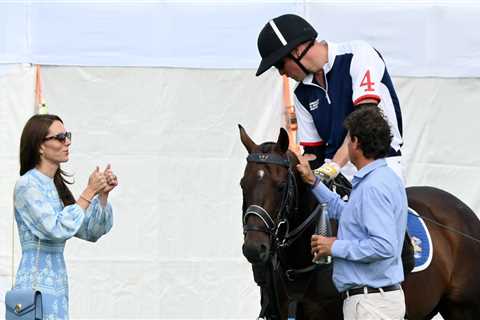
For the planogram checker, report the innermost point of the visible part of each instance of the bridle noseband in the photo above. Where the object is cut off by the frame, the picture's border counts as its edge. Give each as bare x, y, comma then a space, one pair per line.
289, 204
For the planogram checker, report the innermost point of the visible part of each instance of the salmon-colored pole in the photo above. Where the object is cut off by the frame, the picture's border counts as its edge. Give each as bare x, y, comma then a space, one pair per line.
40, 105
290, 118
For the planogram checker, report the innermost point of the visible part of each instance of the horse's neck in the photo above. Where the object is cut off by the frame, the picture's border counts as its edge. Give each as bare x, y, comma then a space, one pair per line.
299, 253
307, 201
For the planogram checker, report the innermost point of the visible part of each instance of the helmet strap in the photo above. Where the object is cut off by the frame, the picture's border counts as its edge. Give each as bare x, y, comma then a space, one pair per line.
305, 70
304, 52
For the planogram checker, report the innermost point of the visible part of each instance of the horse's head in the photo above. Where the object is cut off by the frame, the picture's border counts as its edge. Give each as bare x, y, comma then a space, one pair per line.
269, 195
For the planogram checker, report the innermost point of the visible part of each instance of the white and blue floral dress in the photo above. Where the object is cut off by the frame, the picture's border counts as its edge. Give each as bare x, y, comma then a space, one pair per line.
40, 214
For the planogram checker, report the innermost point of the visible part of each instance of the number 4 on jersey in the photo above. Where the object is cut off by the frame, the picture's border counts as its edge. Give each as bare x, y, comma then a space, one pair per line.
366, 81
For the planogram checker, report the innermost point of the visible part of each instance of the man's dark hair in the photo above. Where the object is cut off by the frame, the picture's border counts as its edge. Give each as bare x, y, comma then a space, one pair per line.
372, 130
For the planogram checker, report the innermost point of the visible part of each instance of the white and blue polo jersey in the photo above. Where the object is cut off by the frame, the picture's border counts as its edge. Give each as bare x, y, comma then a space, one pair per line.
355, 71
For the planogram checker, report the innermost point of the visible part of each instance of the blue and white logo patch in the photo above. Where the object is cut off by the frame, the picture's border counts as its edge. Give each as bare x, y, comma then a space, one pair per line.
313, 105
421, 241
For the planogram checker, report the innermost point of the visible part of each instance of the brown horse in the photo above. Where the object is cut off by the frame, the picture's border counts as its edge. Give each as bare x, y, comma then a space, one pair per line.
277, 219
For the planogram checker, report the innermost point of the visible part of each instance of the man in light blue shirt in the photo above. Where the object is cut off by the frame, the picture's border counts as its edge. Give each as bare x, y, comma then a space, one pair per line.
371, 225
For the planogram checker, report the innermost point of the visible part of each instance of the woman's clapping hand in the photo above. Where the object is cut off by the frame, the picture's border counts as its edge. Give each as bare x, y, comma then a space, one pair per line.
111, 179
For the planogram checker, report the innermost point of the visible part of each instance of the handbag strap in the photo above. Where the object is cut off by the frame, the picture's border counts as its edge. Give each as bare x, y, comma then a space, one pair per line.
34, 283
13, 243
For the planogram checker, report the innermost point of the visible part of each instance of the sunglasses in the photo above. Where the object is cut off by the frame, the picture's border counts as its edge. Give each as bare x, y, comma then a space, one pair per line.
60, 137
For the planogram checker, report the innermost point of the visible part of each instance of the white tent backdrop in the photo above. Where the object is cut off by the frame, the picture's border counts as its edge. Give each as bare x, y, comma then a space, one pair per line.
418, 38
175, 249
171, 133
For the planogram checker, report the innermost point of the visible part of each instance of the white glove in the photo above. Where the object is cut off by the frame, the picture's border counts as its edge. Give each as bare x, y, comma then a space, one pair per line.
328, 171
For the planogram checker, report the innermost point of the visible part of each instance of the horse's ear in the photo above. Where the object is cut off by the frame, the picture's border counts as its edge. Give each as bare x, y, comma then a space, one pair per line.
246, 140
283, 140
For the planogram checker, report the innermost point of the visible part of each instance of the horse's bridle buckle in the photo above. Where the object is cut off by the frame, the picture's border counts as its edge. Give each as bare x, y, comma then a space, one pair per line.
281, 238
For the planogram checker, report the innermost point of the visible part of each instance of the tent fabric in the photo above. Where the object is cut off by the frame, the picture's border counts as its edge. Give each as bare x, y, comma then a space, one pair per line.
417, 38
171, 135
168, 125
177, 232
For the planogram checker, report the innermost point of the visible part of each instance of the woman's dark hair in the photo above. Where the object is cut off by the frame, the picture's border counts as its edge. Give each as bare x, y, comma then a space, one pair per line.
372, 130
33, 135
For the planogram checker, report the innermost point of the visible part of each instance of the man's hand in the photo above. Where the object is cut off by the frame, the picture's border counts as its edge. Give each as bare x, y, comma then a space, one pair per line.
328, 171
304, 168
321, 246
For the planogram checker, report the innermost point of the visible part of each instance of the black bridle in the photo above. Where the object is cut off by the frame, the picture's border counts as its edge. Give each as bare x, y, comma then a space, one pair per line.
279, 234
288, 207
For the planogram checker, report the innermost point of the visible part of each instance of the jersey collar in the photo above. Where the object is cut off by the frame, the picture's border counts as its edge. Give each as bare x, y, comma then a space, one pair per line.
332, 53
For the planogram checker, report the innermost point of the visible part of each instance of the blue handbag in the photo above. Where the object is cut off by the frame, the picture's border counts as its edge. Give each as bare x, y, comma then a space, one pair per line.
23, 304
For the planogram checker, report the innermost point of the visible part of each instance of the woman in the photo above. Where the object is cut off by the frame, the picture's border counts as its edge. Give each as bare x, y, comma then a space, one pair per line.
47, 214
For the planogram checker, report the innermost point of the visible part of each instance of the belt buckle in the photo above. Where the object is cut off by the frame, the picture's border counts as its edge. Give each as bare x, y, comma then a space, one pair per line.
346, 294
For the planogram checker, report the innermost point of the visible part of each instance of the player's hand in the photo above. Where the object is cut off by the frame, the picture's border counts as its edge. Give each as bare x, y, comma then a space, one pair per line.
328, 171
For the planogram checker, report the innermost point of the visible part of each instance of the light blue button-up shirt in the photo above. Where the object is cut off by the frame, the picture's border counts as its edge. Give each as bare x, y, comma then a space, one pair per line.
371, 228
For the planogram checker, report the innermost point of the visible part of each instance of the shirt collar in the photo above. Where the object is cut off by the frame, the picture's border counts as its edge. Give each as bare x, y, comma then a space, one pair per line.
362, 173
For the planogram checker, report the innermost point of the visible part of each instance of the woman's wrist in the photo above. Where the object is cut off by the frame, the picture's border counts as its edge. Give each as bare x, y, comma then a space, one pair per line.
88, 194
86, 199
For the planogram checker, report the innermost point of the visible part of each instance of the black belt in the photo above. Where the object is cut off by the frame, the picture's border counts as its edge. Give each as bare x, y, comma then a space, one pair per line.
354, 291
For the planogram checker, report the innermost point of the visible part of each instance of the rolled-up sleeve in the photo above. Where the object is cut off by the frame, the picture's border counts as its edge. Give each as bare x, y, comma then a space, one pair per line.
41, 217
98, 221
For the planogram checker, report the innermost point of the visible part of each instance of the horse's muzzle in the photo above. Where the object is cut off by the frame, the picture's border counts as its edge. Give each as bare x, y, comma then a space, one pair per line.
256, 253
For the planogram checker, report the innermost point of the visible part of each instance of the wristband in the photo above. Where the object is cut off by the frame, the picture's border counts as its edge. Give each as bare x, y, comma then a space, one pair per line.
89, 201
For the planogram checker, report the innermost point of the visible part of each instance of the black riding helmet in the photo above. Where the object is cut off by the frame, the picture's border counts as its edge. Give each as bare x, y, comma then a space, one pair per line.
280, 36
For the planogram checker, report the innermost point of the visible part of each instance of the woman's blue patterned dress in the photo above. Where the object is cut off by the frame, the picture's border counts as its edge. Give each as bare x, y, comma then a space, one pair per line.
40, 214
